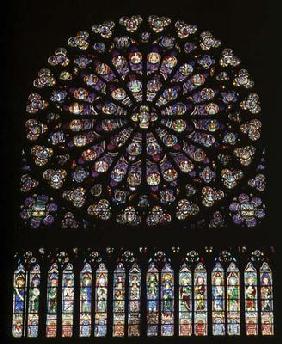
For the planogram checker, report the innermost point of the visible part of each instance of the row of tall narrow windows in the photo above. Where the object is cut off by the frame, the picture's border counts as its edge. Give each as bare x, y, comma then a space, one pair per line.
190, 311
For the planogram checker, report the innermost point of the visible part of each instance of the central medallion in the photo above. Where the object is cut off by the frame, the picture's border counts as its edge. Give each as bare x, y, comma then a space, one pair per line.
144, 116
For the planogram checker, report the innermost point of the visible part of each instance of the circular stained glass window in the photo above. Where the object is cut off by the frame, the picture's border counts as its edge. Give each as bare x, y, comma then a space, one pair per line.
143, 120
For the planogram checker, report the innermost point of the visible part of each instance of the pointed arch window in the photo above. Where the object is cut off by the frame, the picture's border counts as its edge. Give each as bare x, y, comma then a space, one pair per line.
167, 301
185, 301
218, 300
19, 299
233, 300
101, 299
266, 300
33, 301
200, 301
251, 300
52, 300
67, 301
85, 300
134, 309
119, 301
152, 300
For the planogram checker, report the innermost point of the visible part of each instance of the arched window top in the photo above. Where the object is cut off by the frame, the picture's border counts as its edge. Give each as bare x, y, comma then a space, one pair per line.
185, 268
218, 267
200, 267
102, 267
167, 267
143, 124
250, 268
232, 267
68, 268
135, 268
54, 269
120, 267
86, 268
265, 267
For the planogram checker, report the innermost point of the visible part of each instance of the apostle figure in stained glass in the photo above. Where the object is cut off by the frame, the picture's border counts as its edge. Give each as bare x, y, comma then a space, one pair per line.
200, 301
233, 300
19, 301
251, 302
185, 301
266, 296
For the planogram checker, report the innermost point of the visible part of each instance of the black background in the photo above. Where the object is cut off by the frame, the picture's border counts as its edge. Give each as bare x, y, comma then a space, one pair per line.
34, 29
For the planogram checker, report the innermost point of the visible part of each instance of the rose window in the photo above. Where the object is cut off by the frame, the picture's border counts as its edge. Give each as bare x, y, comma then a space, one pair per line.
143, 121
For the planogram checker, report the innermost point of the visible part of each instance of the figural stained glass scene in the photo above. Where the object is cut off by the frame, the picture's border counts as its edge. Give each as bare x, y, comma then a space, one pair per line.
143, 121
184, 294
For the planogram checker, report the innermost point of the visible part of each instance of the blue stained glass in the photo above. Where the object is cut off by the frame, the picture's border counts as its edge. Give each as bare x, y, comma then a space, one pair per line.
152, 284
218, 300
167, 301
85, 300
19, 299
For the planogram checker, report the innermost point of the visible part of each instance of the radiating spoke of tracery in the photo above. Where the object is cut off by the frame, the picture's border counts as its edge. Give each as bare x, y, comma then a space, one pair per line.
33, 301
19, 301
101, 301
218, 300
85, 321
134, 308
119, 301
251, 300
185, 301
233, 300
153, 300
52, 301
151, 125
67, 301
200, 301
266, 300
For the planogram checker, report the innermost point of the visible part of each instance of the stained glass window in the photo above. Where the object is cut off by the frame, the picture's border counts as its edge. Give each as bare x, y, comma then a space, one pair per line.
185, 301
162, 315
134, 316
101, 298
85, 301
233, 300
167, 301
33, 301
143, 101
251, 300
67, 301
200, 301
52, 301
266, 300
218, 300
19, 300
119, 301
153, 300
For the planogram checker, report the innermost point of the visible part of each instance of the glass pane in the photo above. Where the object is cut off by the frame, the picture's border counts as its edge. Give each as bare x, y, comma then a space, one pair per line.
152, 300
52, 302
218, 301
33, 302
85, 301
251, 300
200, 301
266, 300
67, 301
233, 300
101, 295
134, 316
119, 301
19, 297
185, 301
